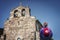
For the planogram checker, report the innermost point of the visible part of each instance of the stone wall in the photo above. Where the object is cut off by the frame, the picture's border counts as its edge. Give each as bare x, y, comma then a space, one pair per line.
23, 27
20, 26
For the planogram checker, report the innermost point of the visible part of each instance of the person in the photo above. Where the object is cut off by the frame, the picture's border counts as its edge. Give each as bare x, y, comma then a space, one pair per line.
45, 24
45, 32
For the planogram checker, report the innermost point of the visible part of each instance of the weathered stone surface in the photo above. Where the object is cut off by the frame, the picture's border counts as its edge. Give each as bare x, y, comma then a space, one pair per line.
20, 26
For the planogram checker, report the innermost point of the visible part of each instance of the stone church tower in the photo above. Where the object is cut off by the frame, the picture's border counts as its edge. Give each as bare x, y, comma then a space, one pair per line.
21, 25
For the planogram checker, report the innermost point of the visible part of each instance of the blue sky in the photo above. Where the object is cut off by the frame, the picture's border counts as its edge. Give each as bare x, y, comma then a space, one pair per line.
43, 10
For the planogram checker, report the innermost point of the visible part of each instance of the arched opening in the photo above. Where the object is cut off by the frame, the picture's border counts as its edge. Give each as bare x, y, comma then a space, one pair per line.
15, 14
23, 12
15, 11
18, 38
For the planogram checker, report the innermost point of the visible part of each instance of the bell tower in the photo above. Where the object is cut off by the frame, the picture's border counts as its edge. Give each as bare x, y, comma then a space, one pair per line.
20, 11
21, 25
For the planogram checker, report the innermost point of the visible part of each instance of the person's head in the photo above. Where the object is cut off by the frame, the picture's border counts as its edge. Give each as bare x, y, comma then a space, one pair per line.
45, 24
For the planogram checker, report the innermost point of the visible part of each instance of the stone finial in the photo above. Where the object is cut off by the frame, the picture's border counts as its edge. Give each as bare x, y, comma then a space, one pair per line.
20, 3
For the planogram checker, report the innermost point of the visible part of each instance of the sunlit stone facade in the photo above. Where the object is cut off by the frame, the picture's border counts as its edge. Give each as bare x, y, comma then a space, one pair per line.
21, 25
